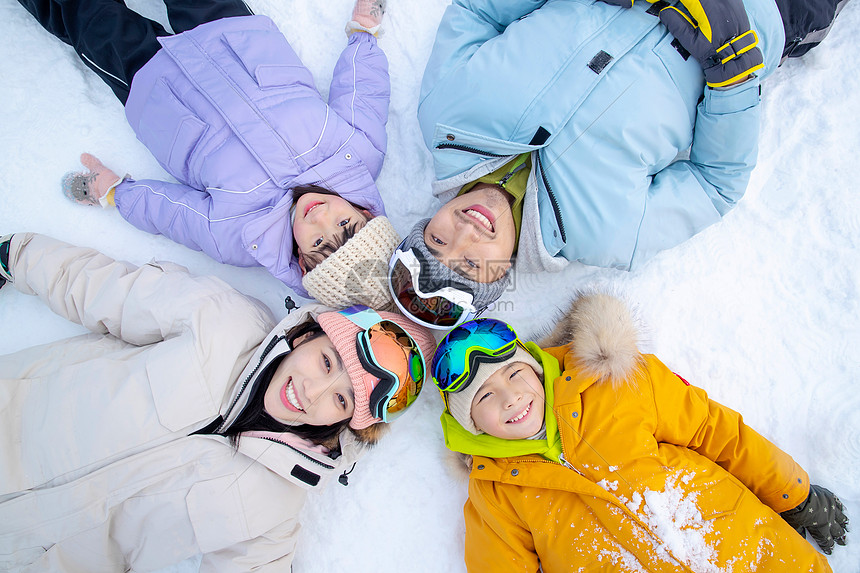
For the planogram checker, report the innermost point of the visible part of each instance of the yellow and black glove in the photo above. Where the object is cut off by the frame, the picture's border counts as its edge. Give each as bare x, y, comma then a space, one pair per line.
717, 33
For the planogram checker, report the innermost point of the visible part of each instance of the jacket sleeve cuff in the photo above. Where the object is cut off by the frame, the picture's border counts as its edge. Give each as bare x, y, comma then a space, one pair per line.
794, 493
17, 241
737, 98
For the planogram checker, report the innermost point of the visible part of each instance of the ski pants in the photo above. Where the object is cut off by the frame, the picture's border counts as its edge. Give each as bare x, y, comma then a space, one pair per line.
115, 41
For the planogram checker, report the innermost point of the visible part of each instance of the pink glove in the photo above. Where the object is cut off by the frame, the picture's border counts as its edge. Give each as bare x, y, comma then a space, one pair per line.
95, 186
366, 17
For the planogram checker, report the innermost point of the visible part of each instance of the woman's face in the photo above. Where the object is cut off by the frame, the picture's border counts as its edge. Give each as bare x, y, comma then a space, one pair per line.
510, 404
310, 386
321, 219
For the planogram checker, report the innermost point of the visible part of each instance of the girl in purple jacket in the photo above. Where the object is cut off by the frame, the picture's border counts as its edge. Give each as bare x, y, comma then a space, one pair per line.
269, 173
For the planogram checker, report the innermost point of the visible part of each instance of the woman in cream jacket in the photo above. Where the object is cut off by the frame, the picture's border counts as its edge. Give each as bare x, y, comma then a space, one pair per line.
113, 453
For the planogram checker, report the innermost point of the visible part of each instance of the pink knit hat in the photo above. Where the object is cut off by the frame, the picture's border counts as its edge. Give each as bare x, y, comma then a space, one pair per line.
342, 331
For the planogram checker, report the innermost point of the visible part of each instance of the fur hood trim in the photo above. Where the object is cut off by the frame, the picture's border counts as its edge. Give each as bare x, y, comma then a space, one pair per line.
459, 465
602, 337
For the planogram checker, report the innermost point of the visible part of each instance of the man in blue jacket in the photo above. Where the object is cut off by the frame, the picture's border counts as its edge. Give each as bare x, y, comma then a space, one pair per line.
571, 130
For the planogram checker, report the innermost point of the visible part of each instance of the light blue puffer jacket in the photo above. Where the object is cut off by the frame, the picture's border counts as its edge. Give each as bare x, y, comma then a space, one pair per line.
231, 112
637, 156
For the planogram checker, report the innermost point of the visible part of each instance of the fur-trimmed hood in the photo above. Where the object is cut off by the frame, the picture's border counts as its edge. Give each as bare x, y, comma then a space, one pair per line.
602, 337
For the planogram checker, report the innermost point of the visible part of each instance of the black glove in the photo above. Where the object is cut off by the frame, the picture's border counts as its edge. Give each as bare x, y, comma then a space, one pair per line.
5, 242
721, 39
822, 516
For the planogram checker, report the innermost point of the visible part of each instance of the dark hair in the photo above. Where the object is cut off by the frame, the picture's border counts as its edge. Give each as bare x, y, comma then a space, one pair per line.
321, 253
254, 416
325, 250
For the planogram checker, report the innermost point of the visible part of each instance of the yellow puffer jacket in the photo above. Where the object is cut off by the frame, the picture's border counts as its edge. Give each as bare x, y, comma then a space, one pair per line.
659, 478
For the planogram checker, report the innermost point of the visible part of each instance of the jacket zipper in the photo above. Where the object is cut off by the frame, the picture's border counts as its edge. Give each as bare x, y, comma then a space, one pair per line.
561, 460
552, 200
301, 453
469, 149
268, 349
519, 165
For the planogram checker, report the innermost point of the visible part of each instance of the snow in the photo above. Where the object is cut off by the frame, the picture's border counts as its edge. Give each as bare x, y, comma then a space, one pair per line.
761, 310
674, 516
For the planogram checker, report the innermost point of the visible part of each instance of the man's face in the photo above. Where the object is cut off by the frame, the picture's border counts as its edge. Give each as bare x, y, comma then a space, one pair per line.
474, 234
510, 404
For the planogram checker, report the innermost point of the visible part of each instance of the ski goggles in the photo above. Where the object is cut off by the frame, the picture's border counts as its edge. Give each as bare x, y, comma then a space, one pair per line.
389, 353
460, 353
440, 309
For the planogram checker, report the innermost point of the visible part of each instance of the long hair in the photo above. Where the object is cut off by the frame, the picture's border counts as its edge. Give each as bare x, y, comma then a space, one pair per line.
254, 417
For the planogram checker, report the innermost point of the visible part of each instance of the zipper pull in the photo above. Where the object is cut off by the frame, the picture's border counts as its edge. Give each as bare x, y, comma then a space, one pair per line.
568, 465
518, 166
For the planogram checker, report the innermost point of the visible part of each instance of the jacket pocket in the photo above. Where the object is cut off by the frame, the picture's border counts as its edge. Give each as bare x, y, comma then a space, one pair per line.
180, 391
216, 513
720, 498
268, 58
171, 131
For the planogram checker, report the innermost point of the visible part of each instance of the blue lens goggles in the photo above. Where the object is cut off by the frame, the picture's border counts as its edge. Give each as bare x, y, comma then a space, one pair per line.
389, 353
460, 353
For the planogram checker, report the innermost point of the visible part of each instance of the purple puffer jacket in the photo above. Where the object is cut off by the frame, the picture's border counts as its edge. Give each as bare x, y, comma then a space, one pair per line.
231, 112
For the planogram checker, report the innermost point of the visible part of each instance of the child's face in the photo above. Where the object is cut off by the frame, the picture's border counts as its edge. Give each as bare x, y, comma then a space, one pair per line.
320, 218
310, 386
474, 234
510, 404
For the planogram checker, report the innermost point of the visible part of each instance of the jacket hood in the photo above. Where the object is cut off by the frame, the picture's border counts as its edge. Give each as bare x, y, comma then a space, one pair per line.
601, 337
273, 346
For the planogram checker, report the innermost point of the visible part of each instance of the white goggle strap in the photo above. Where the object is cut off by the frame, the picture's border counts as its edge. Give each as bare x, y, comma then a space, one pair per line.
456, 296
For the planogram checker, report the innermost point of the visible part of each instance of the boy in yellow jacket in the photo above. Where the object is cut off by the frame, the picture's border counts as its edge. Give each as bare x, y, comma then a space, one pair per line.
591, 455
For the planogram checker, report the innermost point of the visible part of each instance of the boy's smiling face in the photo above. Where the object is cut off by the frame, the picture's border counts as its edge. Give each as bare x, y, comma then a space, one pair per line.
510, 404
474, 234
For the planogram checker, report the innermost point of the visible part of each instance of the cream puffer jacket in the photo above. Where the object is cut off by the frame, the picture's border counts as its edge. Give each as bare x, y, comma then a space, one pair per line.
98, 471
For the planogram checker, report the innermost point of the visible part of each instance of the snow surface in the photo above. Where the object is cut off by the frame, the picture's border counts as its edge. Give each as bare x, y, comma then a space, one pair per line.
762, 310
